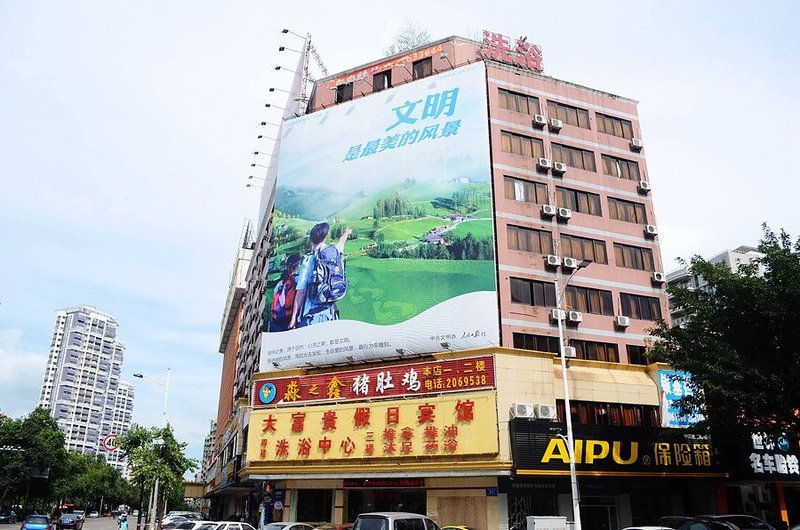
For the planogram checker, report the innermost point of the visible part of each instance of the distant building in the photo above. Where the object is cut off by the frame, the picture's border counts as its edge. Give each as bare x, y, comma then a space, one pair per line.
683, 277
82, 387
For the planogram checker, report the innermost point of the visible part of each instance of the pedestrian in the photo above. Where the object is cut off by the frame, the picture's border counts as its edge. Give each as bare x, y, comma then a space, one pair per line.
123, 523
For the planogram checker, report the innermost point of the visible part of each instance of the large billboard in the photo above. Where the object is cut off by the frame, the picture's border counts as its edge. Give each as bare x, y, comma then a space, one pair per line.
448, 425
382, 233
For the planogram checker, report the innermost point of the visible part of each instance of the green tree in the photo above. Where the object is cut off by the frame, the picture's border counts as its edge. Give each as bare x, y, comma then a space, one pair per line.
30, 443
409, 36
154, 454
741, 341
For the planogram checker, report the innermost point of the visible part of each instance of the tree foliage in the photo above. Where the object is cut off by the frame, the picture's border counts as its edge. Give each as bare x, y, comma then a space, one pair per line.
409, 36
741, 342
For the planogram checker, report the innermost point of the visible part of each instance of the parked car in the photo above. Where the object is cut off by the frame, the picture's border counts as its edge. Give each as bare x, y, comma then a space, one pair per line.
8, 516
288, 526
744, 522
393, 521
191, 524
93, 515
37, 522
680, 522
69, 520
172, 522
334, 526
79, 513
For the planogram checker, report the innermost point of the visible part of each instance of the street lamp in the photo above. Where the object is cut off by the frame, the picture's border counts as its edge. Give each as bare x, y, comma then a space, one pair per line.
573, 477
154, 491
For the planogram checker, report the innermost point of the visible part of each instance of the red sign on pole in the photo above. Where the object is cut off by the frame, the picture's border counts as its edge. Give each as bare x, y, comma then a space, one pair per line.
110, 442
429, 377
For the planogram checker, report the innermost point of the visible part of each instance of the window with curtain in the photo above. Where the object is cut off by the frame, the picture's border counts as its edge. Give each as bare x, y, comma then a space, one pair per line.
382, 81
620, 168
588, 300
422, 68
614, 126
529, 240
632, 257
628, 211
640, 307
527, 341
518, 102
595, 351
574, 157
568, 114
532, 292
524, 190
597, 413
583, 248
521, 145
637, 354
579, 201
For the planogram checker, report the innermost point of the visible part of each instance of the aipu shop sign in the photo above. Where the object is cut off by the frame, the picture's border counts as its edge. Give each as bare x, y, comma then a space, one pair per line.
539, 448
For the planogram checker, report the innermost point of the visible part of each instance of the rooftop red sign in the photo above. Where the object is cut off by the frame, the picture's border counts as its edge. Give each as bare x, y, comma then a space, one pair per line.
429, 377
497, 47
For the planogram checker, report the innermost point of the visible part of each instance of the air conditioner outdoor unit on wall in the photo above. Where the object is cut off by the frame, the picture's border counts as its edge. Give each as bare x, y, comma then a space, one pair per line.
539, 120
659, 277
622, 321
636, 144
523, 410
548, 210
557, 314
544, 163
546, 412
570, 352
552, 260
559, 167
570, 263
575, 316
564, 213
651, 230
556, 124
644, 186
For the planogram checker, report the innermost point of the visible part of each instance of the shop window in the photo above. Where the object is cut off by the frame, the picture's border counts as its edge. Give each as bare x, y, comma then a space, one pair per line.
314, 505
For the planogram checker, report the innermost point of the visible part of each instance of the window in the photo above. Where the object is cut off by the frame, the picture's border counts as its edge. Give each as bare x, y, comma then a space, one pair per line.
344, 92
615, 126
641, 307
518, 102
422, 68
595, 413
382, 81
595, 351
521, 145
588, 300
574, 157
579, 201
630, 212
529, 240
620, 168
525, 191
583, 248
633, 257
531, 292
637, 355
568, 114
526, 341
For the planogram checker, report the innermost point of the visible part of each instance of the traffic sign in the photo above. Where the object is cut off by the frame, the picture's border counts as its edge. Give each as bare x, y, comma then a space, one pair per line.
110, 442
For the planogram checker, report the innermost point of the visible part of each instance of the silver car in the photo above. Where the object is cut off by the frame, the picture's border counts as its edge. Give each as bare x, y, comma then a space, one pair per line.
393, 521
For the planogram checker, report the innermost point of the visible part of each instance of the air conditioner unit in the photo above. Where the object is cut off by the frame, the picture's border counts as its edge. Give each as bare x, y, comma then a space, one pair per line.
559, 167
552, 261
556, 314
659, 277
539, 120
564, 213
644, 186
549, 210
636, 144
546, 412
544, 163
622, 321
570, 263
522, 410
651, 230
556, 124
575, 316
570, 352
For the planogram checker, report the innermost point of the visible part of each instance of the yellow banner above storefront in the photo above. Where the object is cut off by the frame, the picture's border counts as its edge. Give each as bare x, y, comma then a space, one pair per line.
462, 424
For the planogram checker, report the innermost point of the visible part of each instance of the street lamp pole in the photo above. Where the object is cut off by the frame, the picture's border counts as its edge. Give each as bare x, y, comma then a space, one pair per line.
154, 496
573, 476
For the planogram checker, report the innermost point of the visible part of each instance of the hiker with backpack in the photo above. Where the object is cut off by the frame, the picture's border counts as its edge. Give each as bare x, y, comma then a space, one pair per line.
283, 296
321, 280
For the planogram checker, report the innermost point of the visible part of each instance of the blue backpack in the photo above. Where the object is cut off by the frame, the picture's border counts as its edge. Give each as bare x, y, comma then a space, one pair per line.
328, 279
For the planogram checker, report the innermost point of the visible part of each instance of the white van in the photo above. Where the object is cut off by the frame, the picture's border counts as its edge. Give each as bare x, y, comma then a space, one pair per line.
393, 521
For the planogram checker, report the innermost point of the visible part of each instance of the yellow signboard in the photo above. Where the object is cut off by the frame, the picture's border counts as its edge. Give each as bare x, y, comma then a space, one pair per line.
461, 424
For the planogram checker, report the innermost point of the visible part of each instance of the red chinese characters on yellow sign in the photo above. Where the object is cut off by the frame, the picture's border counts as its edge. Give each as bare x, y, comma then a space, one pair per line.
443, 425
389, 381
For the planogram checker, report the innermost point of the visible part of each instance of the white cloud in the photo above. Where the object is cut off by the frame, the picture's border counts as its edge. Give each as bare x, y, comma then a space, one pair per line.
21, 374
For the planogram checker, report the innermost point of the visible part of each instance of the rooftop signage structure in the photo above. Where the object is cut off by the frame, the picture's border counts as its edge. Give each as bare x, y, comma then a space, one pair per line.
497, 47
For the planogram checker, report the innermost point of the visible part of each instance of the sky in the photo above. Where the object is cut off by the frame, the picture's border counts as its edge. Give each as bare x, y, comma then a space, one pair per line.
126, 132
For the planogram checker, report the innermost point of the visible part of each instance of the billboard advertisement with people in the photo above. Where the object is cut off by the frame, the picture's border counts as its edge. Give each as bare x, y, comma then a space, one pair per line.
382, 242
